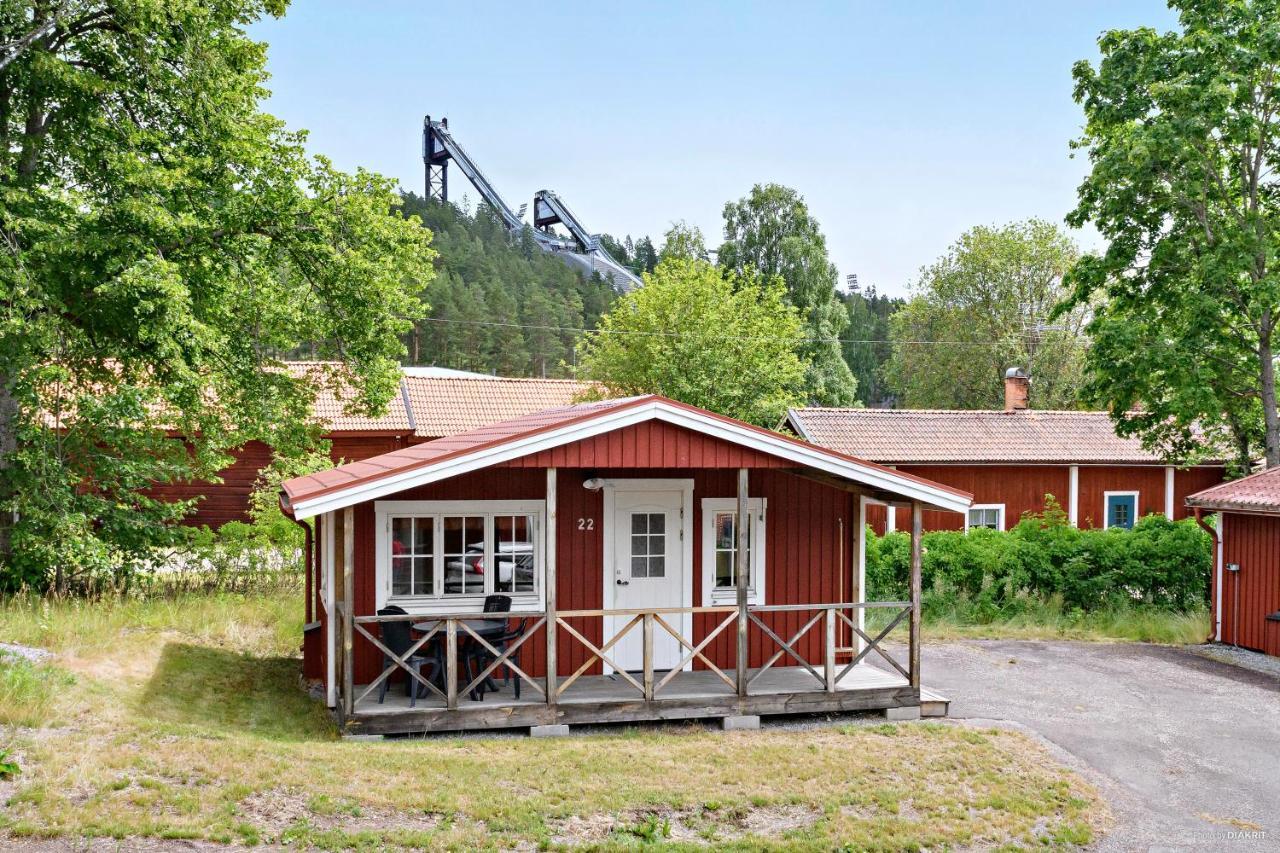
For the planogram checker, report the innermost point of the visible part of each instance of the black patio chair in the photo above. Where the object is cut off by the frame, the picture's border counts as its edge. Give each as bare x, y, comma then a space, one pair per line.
397, 637
478, 657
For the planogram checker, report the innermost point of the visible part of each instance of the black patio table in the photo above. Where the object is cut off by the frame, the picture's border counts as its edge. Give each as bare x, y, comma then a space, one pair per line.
486, 628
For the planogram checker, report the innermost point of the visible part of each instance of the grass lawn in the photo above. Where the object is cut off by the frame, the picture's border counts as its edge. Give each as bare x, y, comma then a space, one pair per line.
185, 719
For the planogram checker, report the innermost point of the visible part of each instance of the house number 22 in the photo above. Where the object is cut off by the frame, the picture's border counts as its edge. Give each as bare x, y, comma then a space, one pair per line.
586, 524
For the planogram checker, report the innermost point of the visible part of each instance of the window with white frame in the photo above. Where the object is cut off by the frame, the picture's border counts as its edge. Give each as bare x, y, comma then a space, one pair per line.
720, 550
436, 553
986, 515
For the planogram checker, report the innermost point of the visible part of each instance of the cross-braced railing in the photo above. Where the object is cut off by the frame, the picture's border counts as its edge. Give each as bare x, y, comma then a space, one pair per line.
830, 615
449, 640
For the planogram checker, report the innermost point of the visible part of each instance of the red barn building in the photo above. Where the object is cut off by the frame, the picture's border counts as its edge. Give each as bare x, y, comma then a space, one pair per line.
432, 402
1011, 459
595, 548
1246, 581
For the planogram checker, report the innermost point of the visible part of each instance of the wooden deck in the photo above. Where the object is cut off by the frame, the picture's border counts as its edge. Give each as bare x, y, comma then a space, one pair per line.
611, 699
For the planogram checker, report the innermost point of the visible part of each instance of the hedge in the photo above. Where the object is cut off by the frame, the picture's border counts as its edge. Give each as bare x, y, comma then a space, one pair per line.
1159, 563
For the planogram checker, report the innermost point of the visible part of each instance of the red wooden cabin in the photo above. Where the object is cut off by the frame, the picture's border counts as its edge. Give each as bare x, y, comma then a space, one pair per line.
612, 527
1011, 459
1246, 579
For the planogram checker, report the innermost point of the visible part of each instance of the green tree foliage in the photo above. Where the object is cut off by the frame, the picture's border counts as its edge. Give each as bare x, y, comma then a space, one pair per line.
771, 233
1182, 134
866, 347
500, 305
724, 343
683, 240
982, 308
163, 241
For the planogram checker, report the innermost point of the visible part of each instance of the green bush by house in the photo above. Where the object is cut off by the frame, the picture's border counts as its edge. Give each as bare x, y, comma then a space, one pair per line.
1159, 564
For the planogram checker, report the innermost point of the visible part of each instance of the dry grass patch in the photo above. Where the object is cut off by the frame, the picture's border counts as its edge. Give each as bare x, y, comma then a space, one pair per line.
213, 739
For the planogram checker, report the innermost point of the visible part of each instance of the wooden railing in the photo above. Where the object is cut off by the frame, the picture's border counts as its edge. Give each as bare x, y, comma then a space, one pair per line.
455, 628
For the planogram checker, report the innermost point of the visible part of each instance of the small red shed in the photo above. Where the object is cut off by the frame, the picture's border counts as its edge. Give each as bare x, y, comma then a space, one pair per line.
1246, 582
606, 536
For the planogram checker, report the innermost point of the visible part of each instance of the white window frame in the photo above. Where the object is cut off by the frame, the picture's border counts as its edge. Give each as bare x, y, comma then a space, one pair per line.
999, 519
711, 594
1106, 507
384, 511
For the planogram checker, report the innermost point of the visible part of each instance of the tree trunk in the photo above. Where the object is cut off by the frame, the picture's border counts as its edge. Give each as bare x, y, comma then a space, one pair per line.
1271, 418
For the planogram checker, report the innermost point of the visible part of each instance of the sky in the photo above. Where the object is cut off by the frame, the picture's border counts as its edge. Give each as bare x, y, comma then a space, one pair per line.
902, 124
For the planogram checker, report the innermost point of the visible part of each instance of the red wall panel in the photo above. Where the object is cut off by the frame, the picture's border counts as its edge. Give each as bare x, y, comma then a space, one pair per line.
1252, 542
810, 554
1147, 480
652, 444
229, 500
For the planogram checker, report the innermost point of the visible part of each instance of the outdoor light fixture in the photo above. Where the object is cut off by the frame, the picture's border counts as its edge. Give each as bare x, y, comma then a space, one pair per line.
594, 484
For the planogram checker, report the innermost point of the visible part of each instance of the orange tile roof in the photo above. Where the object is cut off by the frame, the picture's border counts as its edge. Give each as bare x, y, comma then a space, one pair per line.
435, 402
1257, 493
448, 405
920, 436
330, 407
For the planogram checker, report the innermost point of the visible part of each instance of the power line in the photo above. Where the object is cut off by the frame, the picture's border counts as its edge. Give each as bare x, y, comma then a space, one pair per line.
580, 331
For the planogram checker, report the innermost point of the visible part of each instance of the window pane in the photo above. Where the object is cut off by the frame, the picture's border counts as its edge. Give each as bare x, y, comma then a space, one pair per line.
639, 567
724, 530
639, 545
423, 576
657, 522
514, 553
401, 575
464, 563
724, 568
657, 545
657, 567
401, 536
423, 540
639, 522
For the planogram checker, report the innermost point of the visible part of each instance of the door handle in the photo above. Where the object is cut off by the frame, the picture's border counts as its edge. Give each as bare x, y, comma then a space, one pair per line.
621, 582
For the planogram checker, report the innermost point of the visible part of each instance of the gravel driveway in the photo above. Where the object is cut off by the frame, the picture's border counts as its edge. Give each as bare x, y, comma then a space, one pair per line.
1186, 749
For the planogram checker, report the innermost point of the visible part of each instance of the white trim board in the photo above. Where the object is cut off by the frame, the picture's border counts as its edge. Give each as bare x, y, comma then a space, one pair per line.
874, 476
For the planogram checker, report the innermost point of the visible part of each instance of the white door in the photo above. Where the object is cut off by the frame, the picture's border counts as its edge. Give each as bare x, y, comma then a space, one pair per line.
648, 572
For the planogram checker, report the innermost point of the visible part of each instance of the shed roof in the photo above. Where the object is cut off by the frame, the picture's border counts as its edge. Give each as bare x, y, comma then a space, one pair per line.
1256, 493
493, 444
931, 436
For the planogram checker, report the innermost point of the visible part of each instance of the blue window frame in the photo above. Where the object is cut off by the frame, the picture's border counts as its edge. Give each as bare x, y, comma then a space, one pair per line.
1122, 509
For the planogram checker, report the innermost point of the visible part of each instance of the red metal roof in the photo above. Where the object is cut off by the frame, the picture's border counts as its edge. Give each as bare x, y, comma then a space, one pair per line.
920, 436
1256, 493
493, 436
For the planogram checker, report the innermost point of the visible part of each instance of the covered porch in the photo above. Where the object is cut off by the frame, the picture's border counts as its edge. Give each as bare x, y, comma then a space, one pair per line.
630, 592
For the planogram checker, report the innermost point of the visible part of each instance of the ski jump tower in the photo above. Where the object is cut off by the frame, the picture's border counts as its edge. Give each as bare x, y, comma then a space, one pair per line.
581, 249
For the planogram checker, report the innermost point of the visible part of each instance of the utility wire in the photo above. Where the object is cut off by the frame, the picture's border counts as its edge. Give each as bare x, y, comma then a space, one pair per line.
497, 324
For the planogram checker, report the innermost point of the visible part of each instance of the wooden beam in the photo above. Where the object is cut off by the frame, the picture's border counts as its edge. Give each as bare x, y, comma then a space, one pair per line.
349, 608
740, 573
549, 578
844, 485
917, 559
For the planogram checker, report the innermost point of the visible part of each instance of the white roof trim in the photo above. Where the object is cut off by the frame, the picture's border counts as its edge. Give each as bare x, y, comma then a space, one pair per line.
609, 420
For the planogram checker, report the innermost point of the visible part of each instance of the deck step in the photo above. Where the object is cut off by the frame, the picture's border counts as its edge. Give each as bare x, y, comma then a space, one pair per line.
933, 704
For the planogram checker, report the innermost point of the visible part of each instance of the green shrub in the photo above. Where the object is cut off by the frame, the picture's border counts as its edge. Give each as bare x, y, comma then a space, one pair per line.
1160, 564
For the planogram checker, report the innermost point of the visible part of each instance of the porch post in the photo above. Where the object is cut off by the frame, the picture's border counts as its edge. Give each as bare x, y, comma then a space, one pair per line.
916, 561
740, 569
348, 608
549, 578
